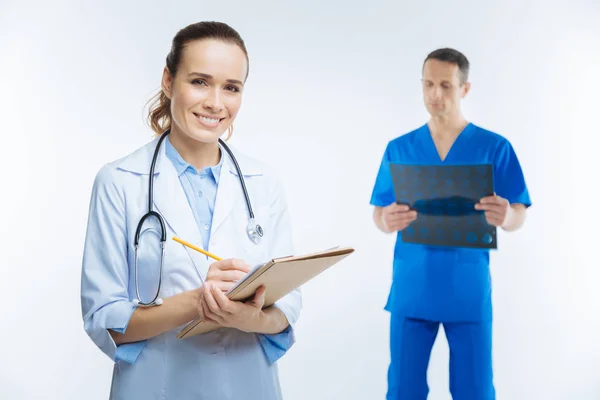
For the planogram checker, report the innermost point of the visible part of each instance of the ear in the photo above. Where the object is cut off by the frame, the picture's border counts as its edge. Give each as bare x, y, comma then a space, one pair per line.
167, 83
465, 89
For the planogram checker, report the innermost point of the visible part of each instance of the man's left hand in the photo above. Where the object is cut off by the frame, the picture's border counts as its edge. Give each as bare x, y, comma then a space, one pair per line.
497, 210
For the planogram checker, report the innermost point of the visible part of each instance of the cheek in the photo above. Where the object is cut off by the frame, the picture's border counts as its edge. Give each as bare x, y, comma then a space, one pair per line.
233, 106
185, 99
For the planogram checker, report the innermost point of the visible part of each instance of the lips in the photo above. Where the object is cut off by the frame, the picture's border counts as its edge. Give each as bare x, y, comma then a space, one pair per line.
211, 122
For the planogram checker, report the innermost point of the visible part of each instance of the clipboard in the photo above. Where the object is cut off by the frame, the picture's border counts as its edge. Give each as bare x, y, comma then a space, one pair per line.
280, 276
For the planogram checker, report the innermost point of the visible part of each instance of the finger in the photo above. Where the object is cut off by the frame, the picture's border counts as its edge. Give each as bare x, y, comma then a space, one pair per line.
489, 207
410, 215
492, 200
494, 219
397, 212
399, 226
233, 264
402, 221
205, 310
213, 306
224, 303
486, 199
494, 223
214, 318
395, 207
494, 214
223, 286
259, 297
200, 310
231, 275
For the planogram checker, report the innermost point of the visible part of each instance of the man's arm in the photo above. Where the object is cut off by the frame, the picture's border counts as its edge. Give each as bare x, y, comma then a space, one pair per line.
377, 218
516, 217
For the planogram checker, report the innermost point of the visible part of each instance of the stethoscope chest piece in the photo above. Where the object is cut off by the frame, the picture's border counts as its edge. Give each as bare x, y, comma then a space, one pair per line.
255, 231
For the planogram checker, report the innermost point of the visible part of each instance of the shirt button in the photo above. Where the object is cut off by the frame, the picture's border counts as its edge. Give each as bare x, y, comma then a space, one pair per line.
206, 227
200, 193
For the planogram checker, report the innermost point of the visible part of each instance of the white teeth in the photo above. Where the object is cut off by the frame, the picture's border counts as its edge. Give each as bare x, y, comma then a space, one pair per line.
209, 120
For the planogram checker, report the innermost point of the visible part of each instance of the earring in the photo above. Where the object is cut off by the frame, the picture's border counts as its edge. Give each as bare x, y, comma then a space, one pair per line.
229, 132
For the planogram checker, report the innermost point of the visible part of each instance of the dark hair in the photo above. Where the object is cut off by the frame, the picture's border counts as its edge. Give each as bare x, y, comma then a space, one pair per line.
159, 114
451, 56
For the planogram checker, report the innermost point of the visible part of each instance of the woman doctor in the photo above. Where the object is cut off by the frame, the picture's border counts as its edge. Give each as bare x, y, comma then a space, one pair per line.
198, 193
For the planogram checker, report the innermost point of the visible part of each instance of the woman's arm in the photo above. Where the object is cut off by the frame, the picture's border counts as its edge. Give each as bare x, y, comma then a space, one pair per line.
147, 322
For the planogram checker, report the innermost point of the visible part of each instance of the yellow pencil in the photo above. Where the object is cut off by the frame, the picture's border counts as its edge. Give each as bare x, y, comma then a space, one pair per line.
191, 246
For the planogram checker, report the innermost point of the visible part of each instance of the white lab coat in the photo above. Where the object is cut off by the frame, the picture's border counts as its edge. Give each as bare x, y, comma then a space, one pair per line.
223, 364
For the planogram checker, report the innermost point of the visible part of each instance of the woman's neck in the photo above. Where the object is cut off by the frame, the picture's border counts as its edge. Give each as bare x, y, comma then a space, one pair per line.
194, 152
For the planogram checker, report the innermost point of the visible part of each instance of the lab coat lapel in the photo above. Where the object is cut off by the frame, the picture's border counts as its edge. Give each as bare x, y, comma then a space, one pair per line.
228, 193
172, 204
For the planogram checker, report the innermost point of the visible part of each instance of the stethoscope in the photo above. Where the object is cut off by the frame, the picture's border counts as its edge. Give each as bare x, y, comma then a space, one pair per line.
254, 230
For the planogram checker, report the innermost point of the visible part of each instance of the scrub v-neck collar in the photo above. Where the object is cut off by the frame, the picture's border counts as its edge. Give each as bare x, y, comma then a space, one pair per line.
432, 151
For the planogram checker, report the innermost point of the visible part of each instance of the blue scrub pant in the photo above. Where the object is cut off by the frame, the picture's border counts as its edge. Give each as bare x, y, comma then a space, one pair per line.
411, 341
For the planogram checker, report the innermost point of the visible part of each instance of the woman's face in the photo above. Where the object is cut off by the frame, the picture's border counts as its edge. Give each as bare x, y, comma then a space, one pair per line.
206, 93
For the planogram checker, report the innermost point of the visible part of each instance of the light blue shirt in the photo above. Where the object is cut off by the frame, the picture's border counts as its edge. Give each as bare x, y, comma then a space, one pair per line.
201, 190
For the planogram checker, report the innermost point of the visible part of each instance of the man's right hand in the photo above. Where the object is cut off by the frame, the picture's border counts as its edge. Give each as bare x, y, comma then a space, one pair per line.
396, 217
225, 274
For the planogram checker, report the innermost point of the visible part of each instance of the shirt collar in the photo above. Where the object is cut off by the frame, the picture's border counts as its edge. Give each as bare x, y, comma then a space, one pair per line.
181, 165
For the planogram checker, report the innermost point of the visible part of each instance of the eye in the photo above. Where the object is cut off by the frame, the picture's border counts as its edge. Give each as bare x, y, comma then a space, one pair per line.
233, 89
199, 82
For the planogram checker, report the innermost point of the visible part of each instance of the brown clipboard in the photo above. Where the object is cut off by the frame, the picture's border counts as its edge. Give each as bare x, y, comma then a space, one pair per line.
280, 276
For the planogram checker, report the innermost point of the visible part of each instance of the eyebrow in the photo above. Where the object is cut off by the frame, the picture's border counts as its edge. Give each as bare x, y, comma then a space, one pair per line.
444, 81
206, 76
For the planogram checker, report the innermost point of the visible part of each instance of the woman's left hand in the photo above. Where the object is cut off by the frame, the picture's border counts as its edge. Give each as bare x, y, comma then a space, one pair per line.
216, 308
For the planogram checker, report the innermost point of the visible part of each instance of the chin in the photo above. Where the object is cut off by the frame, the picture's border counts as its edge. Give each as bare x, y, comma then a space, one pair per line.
436, 112
204, 136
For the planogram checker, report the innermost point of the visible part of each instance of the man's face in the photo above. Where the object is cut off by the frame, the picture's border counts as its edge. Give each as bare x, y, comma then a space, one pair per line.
443, 88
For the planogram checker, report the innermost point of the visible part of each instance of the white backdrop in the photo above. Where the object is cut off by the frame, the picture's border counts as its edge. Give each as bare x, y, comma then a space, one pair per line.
330, 84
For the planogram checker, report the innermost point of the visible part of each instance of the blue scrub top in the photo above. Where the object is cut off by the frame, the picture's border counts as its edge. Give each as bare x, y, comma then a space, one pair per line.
437, 283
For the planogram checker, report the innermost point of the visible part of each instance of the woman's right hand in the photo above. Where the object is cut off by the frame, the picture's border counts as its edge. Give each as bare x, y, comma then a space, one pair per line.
225, 274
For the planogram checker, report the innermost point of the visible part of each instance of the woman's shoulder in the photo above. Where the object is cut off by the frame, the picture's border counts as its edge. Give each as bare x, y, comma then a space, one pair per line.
258, 172
136, 161
253, 166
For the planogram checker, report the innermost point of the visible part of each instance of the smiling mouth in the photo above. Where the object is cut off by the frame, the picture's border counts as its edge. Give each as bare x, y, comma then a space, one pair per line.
213, 122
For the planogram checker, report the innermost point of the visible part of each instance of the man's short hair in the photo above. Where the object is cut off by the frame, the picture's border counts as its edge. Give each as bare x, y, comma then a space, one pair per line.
451, 56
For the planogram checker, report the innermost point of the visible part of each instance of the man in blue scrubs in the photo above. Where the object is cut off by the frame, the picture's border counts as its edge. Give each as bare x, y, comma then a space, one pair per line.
439, 285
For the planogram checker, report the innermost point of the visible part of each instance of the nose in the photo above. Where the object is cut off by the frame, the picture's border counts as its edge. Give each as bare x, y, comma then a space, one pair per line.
437, 92
214, 101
